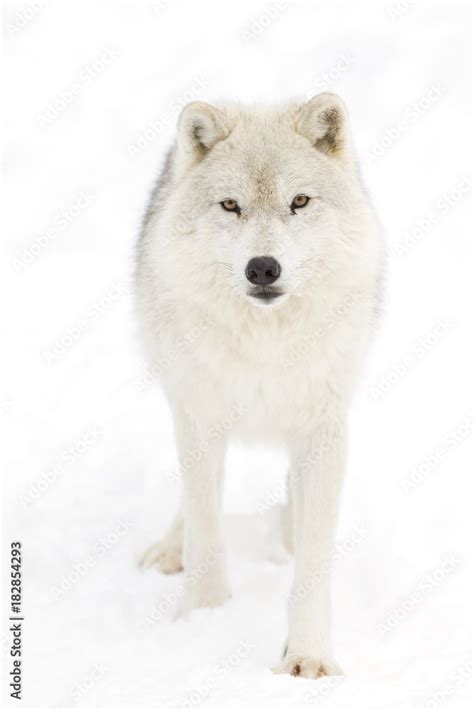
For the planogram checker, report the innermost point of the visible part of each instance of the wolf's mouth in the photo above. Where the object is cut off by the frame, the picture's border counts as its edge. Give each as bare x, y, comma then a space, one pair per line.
265, 293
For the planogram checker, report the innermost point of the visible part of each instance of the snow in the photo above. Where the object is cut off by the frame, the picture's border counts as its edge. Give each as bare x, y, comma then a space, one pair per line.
93, 94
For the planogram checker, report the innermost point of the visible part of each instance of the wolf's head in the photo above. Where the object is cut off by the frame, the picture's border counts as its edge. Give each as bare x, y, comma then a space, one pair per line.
264, 204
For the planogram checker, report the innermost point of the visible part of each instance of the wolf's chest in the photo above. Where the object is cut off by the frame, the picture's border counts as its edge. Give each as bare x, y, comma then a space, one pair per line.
258, 391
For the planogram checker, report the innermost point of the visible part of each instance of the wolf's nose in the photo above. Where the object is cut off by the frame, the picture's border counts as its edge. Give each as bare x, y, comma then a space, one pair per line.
262, 270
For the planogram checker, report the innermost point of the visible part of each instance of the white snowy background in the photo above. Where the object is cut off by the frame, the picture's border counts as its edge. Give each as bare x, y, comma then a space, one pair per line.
93, 92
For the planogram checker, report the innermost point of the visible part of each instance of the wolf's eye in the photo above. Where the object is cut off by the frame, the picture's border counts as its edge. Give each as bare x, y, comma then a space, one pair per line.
231, 206
299, 202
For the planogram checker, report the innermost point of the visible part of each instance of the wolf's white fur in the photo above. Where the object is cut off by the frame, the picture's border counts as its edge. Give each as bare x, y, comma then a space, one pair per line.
283, 371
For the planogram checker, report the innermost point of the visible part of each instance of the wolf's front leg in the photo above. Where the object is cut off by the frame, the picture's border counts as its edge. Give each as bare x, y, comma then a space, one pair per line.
201, 449
317, 468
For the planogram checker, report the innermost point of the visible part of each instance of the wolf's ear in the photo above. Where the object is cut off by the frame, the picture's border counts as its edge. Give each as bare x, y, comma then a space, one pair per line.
323, 121
200, 127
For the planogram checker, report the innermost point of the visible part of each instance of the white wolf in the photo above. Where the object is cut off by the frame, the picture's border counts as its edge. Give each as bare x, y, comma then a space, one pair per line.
258, 274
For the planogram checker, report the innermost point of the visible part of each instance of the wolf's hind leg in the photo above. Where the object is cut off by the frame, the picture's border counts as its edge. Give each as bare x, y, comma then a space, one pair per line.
166, 555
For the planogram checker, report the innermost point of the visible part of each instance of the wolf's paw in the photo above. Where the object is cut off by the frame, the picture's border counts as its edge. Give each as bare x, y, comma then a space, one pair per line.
165, 557
307, 667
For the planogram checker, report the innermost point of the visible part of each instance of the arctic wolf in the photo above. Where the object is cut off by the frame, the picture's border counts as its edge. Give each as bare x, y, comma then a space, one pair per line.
257, 281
